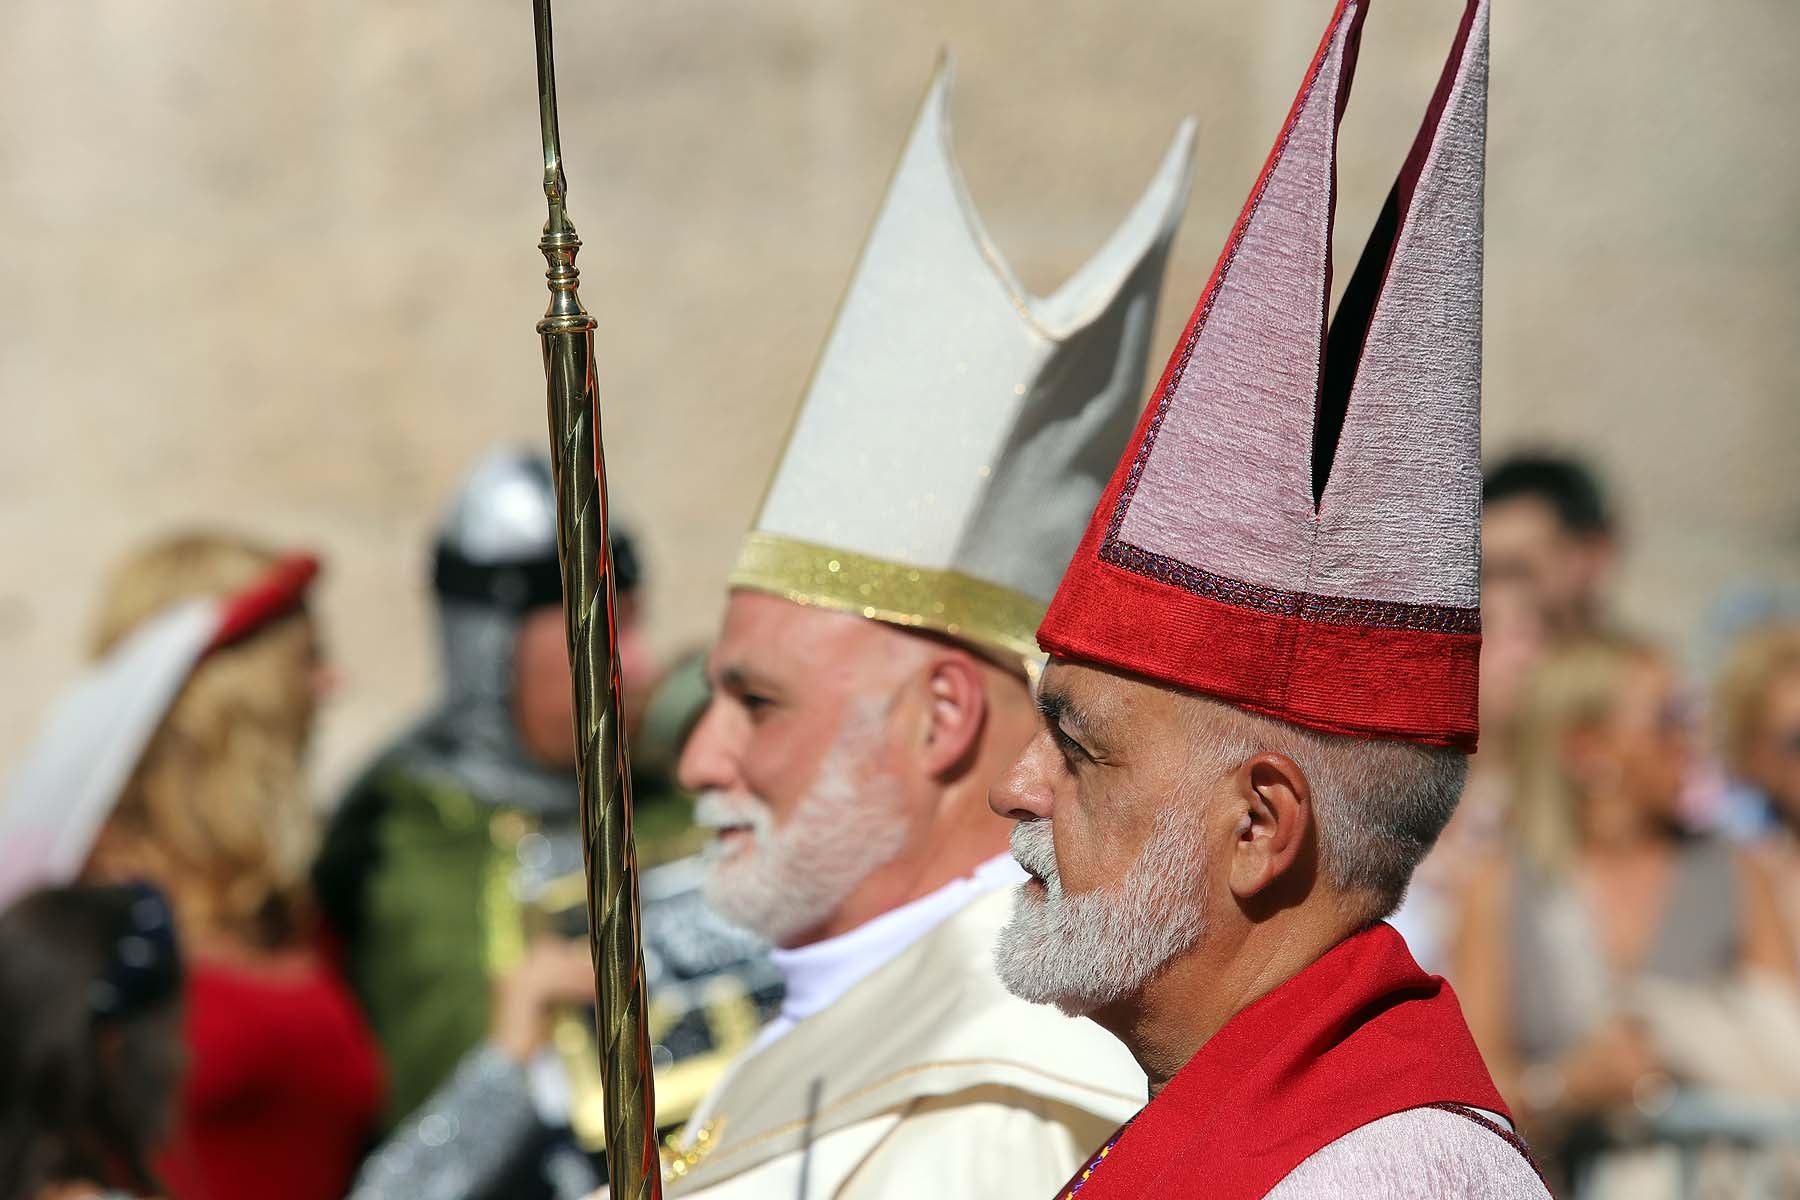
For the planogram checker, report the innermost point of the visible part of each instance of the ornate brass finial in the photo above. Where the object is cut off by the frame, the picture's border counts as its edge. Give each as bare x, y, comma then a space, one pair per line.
602, 766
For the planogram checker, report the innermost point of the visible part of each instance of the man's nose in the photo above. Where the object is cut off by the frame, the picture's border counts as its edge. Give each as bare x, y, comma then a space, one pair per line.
707, 762
1022, 792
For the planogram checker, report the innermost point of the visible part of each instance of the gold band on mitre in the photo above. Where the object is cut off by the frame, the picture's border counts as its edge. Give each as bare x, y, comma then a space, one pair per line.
995, 620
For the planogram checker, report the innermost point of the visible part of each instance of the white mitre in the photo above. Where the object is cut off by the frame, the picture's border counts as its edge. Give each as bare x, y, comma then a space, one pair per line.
958, 430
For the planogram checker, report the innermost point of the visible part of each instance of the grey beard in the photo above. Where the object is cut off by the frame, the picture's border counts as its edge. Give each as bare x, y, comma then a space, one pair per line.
1083, 953
794, 876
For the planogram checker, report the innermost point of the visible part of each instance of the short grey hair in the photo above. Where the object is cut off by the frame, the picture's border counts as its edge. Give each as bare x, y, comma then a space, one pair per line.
1380, 805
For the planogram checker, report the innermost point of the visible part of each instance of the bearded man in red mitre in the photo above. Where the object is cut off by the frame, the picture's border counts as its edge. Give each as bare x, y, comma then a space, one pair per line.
1261, 699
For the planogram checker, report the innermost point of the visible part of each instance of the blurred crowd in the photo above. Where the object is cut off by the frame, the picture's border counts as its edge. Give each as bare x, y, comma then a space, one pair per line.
1616, 899
207, 991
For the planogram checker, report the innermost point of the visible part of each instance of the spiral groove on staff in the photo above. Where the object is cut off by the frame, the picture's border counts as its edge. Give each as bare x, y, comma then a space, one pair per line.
578, 467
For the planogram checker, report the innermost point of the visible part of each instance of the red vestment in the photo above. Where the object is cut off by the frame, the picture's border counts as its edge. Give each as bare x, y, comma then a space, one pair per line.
1360, 1034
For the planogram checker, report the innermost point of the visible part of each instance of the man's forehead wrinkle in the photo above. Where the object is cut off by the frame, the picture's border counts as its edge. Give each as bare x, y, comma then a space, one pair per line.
760, 624
1095, 697
744, 664
856, 655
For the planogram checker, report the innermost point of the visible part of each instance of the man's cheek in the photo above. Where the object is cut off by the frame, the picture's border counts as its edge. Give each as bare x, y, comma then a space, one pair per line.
1074, 857
775, 769
764, 785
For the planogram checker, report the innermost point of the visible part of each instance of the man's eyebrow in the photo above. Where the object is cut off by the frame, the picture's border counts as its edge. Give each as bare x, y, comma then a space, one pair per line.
1060, 710
735, 677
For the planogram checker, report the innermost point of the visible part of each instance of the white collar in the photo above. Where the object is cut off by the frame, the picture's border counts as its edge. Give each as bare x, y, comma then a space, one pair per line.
817, 975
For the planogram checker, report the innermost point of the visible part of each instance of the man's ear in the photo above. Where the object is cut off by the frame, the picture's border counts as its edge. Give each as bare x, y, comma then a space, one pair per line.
957, 699
1270, 847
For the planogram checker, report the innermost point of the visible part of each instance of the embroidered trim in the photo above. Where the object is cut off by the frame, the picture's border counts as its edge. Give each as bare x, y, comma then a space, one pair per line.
991, 617
1500, 1131
1087, 1172
788, 1127
1308, 606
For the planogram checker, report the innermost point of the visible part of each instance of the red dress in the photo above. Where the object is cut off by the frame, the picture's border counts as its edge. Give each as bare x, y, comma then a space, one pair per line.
283, 1086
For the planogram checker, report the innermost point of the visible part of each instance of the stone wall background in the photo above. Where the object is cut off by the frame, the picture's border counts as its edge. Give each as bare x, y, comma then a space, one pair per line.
274, 265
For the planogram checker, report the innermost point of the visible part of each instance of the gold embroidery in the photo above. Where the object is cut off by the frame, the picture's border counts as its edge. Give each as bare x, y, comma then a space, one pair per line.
994, 618
788, 1127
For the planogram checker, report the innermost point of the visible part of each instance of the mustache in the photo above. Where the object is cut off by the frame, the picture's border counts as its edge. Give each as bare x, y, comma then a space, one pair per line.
1034, 848
715, 809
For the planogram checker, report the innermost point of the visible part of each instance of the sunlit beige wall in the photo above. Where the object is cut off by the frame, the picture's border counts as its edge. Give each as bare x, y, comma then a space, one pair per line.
274, 265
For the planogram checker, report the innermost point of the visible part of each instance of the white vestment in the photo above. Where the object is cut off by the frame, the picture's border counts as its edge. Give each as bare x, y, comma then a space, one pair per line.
925, 1079
1422, 1154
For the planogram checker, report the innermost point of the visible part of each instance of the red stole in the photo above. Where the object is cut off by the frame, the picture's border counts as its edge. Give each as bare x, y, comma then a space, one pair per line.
1360, 1034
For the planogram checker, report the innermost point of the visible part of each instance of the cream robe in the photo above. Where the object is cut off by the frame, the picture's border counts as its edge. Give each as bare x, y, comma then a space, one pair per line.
926, 1079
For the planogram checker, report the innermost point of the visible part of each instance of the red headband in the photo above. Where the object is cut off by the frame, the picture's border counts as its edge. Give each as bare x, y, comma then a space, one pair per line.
278, 593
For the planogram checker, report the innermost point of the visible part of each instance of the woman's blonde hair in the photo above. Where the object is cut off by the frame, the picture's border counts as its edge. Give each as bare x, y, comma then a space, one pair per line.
219, 800
1577, 687
1758, 659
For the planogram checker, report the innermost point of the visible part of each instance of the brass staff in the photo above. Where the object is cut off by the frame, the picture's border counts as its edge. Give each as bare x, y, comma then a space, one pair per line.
601, 766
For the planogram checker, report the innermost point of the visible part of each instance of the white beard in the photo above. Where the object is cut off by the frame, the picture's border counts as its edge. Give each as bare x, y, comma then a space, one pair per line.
1082, 953
791, 877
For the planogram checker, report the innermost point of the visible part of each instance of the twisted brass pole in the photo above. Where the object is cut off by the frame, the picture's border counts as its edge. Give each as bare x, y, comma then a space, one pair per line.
602, 766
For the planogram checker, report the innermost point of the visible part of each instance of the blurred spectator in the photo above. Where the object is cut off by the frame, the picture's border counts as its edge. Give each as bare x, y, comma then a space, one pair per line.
1586, 947
1547, 531
466, 1137
217, 806
1512, 642
430, 863
662, 814
461, 842
1547, 550
1513, 639
1759, 725
180, 761
90, 1042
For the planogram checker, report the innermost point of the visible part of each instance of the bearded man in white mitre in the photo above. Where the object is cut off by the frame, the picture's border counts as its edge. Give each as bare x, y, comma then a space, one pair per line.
871, 680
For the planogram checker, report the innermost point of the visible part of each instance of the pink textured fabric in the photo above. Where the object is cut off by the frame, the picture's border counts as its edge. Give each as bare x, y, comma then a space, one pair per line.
1227, 480
1247, 547
1423, 1154
1401, 517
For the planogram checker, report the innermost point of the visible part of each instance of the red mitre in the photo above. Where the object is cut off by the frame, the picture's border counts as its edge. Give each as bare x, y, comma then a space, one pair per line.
1296, 525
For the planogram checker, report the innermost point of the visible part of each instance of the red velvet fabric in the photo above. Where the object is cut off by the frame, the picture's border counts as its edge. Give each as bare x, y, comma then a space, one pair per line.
1347, 679
1361, 1034
283, 1087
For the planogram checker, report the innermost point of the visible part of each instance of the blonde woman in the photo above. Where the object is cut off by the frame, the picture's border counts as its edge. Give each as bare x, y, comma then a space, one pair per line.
1759, 725
217, 805
1603, 895
180, 762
